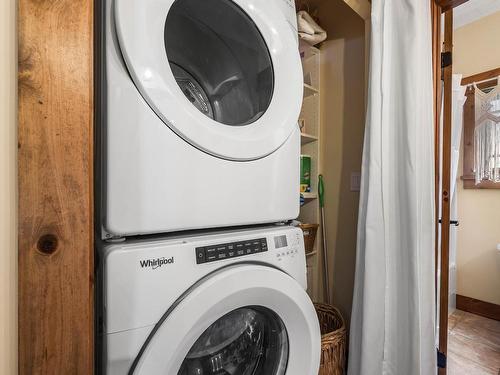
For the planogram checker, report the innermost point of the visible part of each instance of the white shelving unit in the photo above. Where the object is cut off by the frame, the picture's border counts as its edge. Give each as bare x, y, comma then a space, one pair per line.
307, 138
309, 197
309, 90
310, 140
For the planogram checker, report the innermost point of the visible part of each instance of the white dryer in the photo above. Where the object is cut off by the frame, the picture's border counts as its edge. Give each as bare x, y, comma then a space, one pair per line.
200, 105
229, 303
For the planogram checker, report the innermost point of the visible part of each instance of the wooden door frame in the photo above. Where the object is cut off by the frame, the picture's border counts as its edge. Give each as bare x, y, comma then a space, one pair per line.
443, 72
446, 188
55, 187
446, 5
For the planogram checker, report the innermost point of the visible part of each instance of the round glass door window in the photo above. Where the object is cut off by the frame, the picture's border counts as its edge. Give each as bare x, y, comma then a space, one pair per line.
219, 60
248, 341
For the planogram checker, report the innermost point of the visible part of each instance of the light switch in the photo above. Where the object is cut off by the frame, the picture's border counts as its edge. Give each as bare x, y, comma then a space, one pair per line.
355, 181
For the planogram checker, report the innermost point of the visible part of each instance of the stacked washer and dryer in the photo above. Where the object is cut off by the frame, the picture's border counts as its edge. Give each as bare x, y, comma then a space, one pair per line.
200, 272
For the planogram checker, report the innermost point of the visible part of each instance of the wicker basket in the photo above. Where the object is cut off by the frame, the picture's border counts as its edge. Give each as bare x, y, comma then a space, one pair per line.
309, 231
333, 340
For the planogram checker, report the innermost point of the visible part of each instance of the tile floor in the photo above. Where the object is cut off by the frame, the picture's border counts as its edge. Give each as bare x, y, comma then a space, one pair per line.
473, 345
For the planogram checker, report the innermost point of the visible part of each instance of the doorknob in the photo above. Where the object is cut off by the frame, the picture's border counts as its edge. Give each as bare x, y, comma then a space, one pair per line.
452, 222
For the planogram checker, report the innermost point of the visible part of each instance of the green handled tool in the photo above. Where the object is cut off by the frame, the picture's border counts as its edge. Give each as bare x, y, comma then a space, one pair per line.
321, 193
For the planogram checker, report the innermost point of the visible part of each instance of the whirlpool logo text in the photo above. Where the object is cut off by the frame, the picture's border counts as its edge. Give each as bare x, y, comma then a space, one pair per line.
156, 263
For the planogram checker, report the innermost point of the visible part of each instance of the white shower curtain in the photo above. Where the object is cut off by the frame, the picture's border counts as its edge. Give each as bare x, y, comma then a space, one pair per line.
458, 101
392, 323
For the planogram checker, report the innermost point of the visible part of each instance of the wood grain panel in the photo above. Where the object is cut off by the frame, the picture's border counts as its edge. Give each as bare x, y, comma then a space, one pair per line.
478, 307
55, 187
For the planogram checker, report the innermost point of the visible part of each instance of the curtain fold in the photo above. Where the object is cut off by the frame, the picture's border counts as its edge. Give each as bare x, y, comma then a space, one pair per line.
458, 101
392, 323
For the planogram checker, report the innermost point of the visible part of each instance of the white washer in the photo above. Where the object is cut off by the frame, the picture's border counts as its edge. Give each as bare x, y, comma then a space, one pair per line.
200, 101
224, 303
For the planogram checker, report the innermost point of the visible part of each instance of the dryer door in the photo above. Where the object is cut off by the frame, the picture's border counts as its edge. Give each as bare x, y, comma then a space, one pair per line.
225, 75
241, 320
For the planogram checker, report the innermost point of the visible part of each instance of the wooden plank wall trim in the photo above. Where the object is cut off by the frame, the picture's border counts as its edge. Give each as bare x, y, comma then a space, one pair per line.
475, 306
55, 171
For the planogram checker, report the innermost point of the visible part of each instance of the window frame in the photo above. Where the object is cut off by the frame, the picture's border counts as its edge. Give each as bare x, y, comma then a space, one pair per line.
468, 177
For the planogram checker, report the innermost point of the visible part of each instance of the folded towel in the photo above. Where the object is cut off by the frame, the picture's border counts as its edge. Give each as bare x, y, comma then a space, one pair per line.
309, 30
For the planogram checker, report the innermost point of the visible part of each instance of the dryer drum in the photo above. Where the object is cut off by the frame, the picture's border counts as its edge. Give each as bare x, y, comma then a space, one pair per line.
246, 341
219, 60
192, 90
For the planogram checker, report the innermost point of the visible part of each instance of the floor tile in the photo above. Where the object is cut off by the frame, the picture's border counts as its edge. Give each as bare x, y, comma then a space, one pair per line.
473, 350
453, 319
480, 321
473, 345
479, 329
457, 365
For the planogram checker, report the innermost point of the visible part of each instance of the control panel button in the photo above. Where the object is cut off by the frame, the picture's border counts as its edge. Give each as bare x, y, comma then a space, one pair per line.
200, 255
210, 250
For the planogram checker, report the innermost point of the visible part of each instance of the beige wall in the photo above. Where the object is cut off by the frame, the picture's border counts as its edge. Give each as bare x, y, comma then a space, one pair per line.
343, 123
8, 261
477, 49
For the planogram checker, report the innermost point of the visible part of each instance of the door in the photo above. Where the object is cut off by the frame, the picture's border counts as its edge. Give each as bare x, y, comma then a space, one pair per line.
225, 75
241, 320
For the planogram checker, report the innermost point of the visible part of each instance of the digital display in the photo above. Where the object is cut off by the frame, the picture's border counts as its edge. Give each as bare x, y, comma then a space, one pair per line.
280, 241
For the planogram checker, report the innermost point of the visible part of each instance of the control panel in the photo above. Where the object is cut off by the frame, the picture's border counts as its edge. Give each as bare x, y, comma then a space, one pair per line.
212, 253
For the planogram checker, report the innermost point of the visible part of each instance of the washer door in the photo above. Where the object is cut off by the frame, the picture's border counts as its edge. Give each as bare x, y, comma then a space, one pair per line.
241, 320
225, 75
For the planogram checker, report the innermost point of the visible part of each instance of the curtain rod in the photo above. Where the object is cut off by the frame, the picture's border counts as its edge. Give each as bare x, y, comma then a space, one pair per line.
485, 80
481, 77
